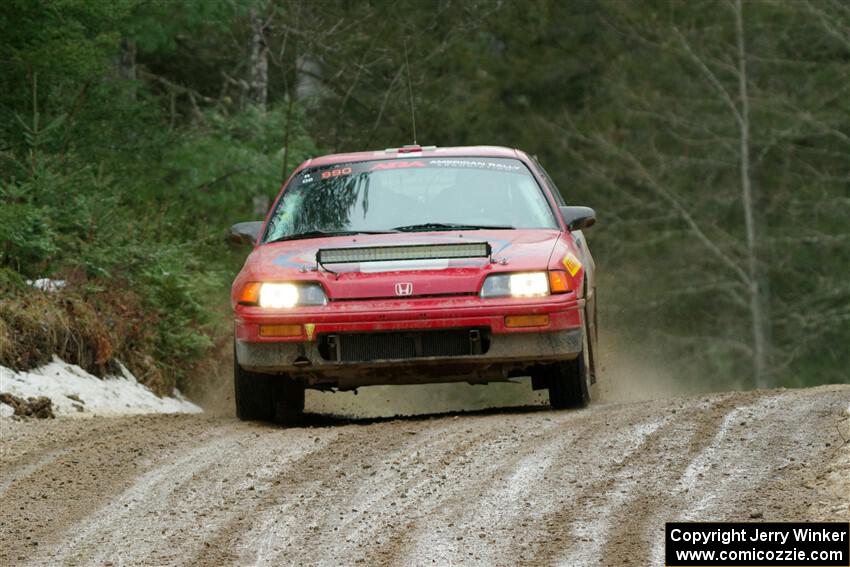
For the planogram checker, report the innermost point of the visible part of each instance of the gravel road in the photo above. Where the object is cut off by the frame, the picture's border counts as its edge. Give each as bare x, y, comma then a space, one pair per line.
500, 487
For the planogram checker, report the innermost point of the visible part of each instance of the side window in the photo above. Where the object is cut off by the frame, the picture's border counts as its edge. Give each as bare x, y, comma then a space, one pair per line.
558, 197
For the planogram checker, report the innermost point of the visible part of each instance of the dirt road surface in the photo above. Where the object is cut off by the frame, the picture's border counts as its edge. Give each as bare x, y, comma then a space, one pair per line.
507, 487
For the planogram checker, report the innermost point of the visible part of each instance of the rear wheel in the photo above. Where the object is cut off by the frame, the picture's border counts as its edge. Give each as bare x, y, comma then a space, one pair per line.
266, 397
569, 382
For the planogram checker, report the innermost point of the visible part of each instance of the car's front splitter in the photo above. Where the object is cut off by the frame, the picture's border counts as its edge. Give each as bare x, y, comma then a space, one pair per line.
507, 355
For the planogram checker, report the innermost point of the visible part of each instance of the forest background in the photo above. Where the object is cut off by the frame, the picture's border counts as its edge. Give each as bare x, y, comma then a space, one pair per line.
712, 138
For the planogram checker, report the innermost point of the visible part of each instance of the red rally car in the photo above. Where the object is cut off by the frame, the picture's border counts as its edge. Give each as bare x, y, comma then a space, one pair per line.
414, 265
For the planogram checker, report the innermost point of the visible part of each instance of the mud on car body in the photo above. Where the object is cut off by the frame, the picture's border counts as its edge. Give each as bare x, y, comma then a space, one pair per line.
414, 265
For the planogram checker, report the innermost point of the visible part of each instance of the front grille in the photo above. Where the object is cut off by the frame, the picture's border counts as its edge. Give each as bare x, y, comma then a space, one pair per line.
395, 345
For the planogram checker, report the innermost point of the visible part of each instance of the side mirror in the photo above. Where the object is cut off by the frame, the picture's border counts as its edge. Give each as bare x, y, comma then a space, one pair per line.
578, 218
244, 232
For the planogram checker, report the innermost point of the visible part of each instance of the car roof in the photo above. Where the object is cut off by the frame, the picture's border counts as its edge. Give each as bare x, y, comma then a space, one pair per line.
412, 153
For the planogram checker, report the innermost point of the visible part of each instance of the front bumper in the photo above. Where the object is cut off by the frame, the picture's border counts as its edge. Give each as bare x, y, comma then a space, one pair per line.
511, 351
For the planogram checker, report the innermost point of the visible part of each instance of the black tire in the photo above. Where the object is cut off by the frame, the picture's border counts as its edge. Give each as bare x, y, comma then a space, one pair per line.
288, 400
252, 393
266, 397
569, 382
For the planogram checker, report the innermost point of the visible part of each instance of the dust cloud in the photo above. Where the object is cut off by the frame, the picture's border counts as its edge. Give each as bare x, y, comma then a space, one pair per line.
388, 401
630, 372
627, 373
212, 389
211, 385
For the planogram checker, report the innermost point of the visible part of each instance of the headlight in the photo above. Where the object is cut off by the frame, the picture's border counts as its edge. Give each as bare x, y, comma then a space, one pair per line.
283, 295
528, 284
278, 295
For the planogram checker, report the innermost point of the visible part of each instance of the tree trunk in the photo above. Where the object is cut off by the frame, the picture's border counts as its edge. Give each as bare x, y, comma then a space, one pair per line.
259, 84
125, 65
756, 299
286, 137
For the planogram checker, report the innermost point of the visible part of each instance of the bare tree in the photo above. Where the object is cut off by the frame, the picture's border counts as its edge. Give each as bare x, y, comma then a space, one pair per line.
259, 70
755, 287
125, 64
707, 128
740, 110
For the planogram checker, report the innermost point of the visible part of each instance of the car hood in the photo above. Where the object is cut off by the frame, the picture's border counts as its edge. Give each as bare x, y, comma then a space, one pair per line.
511, 251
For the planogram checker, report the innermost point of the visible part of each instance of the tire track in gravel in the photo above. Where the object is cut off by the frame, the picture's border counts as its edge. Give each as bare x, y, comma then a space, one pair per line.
579, 518
102, 536
585, 488
301, 489
209, 479
55, 491
491, 465
362, 490
379, 477
28, 467
484, 514
579, 532
592, 529
619, 540
20, 457
740, 489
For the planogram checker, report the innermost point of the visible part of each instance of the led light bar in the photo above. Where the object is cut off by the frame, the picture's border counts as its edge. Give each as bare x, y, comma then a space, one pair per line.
409, 252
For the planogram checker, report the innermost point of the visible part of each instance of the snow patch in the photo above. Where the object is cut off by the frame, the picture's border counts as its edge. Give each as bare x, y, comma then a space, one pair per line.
46, 284
76, 393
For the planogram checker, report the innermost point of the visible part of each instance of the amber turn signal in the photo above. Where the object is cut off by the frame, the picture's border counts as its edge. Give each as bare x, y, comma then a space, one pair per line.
558, 282
281, 331
250, 293
526, 320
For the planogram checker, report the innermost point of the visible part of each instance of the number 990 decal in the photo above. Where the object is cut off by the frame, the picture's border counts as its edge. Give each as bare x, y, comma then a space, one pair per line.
336, 172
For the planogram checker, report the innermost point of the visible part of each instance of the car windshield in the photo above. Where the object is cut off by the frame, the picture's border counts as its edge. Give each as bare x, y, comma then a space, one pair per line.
410, 194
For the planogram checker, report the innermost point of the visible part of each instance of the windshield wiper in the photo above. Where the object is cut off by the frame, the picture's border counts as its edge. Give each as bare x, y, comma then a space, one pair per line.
326, 234
428, 226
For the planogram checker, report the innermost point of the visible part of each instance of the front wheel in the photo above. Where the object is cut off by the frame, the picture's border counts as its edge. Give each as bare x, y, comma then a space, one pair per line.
266, 397
569, 382
288, 400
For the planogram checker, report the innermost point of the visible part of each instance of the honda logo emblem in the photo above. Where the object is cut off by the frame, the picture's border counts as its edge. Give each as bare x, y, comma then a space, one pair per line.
404, 288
